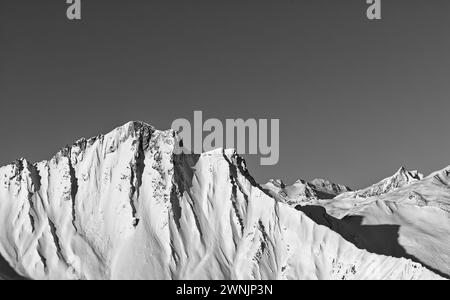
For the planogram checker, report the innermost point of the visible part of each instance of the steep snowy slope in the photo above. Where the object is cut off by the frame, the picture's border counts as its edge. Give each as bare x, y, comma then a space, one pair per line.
123, 206
404, 215
421, 209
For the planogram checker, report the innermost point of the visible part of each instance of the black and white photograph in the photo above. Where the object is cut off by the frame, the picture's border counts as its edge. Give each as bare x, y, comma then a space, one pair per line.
224, 146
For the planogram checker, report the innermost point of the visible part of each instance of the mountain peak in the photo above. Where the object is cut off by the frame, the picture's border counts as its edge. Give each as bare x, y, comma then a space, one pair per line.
124, 206
137, 125
328, 187
412, 175
303, 192
402, 170
277, 182
401, 178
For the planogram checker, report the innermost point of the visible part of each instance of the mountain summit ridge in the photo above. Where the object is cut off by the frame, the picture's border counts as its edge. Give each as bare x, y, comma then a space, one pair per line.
124, 206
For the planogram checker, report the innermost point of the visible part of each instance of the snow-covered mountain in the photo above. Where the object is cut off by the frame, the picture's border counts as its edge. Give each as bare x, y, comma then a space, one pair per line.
303, 192
405, 215
401, 178
124, 206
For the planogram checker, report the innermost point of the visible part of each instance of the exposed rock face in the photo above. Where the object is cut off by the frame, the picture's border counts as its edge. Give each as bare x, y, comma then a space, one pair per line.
328, 187
303, 192
124, 206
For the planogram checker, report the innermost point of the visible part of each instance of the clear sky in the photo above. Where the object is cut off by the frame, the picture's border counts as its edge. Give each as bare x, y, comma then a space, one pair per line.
356, 99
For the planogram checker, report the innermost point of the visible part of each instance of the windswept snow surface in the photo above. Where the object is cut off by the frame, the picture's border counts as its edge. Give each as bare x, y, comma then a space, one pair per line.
124, 206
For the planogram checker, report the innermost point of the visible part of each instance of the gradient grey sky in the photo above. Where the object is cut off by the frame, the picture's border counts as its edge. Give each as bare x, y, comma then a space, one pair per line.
356, 99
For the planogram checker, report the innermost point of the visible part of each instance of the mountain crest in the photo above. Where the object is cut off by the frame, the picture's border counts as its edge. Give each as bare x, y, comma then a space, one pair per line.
409, 174
303, 192
125, 206
401, 178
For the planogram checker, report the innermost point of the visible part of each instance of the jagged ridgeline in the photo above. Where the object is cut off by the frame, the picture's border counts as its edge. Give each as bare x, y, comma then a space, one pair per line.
124, 206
